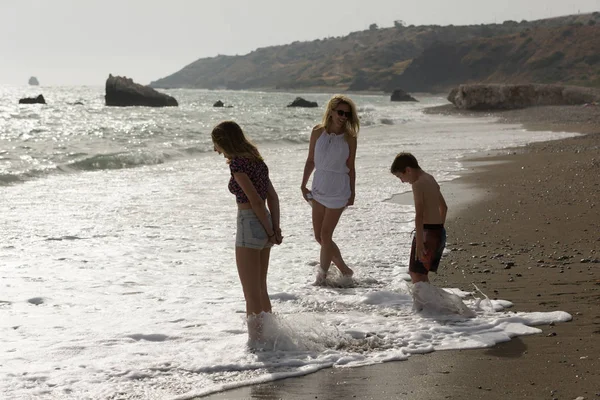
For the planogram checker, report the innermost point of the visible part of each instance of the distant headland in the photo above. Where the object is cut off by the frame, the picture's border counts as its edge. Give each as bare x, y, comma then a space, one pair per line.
429, 58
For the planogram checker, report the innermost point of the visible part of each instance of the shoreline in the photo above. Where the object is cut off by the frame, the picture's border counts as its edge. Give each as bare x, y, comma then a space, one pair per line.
531, 237
315, 90
459, 192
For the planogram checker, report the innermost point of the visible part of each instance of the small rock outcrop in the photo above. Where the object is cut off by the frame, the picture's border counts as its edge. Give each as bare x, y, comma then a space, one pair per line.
123, 92
33, 81
300, 102
401, 95
218, 103
33, 100
507, 96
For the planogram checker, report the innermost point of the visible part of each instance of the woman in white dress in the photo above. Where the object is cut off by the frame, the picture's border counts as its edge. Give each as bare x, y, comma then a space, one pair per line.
331, 155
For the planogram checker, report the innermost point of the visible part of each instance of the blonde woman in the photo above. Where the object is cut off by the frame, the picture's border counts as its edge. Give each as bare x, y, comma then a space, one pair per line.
331, 155
257, 226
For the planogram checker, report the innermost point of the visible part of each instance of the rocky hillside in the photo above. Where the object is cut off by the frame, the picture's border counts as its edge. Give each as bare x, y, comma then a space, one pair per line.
415, 58
568, 54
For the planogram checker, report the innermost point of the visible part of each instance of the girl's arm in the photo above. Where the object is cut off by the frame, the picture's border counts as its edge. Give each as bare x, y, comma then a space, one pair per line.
273, 204
352, 143
255, 201
309, 166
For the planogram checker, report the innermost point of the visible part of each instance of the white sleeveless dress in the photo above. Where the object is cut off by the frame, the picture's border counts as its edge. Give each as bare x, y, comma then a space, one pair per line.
331, 182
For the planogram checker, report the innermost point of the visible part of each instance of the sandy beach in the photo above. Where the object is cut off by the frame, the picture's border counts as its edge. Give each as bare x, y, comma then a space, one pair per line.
528, 232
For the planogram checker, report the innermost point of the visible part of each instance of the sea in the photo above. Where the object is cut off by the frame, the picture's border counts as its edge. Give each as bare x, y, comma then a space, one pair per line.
117, 269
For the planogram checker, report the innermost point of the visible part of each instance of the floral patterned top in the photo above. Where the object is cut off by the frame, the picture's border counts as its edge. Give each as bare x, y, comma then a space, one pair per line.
257, 171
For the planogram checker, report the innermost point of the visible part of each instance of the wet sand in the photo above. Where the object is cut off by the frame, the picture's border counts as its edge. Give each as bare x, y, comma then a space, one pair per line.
526, 228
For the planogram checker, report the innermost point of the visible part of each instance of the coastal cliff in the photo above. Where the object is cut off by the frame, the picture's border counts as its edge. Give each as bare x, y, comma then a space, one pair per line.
414, 58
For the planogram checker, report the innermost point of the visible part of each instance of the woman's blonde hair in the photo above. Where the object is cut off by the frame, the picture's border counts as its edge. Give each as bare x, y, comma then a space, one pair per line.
228, 135
352, 123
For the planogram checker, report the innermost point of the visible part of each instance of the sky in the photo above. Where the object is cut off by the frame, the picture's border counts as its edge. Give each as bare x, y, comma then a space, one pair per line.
79, 42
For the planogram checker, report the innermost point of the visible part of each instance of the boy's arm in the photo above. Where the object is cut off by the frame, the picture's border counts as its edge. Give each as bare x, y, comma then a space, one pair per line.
419, 206
443, 208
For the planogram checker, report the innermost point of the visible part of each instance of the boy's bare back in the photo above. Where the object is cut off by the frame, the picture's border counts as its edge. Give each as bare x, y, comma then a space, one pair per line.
429, 199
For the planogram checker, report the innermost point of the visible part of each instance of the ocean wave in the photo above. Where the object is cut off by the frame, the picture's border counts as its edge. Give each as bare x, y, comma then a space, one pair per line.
384, 121
297, 139
366, 108
20, 177
120, 160
98, 162
7, 179
195, 150
26, 116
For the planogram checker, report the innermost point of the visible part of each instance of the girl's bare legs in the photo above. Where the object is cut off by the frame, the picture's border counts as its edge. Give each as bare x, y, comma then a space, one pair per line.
325, 221
252, 267
265, 302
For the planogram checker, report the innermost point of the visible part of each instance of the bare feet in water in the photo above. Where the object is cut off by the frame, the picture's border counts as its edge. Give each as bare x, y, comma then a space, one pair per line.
321, 278
337, 279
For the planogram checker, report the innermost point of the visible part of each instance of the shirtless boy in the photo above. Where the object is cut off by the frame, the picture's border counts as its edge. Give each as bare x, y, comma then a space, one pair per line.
430, 209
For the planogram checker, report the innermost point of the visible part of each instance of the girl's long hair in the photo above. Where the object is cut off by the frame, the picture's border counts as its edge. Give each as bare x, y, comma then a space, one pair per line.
352, 123
228, 135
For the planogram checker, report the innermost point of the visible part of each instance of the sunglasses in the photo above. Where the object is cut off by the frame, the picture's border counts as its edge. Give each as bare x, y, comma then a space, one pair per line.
342, 113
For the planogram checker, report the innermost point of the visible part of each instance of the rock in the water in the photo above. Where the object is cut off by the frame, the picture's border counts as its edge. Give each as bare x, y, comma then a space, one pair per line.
452, 94
401, 95
33, 81
218, 103
36, 301
300, 102
123, 92
507, 96
33, 100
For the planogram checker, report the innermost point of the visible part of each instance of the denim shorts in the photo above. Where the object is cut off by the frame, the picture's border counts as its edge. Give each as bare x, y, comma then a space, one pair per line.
250, 232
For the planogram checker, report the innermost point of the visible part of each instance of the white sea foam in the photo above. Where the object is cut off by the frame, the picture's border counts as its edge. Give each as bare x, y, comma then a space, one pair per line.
122, 283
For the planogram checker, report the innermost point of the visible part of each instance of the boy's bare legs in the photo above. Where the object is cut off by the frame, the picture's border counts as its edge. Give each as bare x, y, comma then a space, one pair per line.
416, 277
418, 301
325, 221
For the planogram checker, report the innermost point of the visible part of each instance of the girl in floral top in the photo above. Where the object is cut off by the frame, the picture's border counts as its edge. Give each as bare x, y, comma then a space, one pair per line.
257, 219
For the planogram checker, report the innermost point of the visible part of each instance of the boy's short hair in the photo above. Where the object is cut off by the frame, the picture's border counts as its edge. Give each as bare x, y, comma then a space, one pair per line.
402, 161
